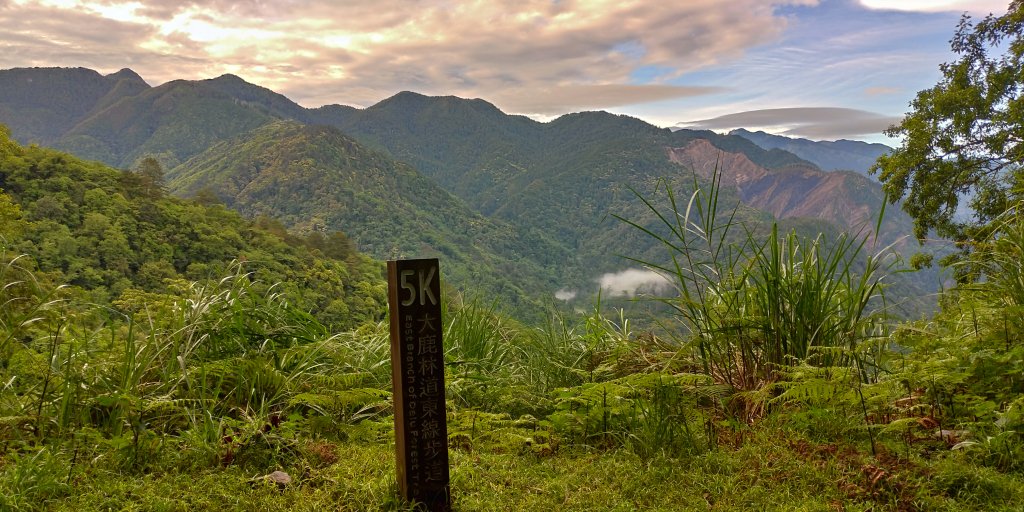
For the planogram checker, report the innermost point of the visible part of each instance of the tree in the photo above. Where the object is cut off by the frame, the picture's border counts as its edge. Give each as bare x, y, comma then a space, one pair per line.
7, 146
11, 225
339, 246
151, 175
964, 138
206, 196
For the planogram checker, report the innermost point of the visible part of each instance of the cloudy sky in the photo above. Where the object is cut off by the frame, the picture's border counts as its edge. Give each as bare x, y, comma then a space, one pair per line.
822, 69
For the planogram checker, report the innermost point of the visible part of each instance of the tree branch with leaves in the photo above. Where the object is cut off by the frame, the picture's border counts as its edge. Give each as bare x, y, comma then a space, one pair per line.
964, 139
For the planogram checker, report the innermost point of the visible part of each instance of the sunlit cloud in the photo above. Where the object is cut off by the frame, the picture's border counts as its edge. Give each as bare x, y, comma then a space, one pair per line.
879, 91
527, 56
558, 99
978, 7
661, 61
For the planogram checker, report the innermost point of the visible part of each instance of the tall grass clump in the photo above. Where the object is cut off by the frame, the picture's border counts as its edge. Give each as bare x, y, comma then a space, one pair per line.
566, 352
477, 340
751, 308
488, 360
486, 351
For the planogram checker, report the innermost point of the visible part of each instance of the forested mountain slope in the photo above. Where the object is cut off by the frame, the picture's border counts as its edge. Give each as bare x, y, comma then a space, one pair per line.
113, 235
571, 175
171, 122
315, 178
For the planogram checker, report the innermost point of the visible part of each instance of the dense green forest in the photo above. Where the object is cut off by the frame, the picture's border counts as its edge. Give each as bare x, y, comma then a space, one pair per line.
112, 236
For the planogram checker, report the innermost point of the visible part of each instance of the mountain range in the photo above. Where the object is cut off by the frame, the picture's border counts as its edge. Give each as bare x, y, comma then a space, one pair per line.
839, 155
517, 208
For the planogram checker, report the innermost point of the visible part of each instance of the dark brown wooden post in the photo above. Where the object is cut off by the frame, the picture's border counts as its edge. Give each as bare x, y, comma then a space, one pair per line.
417, 381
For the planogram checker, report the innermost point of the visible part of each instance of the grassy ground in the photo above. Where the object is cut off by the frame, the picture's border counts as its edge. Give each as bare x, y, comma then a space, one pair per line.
764, 468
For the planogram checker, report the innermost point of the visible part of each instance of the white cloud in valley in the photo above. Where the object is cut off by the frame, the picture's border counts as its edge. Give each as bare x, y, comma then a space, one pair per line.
527, 56
633, 281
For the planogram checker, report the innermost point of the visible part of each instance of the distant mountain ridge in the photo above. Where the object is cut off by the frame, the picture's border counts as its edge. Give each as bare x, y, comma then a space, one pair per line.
846, 199
840, 155
525, 196
41, 104
174, 121
118, 117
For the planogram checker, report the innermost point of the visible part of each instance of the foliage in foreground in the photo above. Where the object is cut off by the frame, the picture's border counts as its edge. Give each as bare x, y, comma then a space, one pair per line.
779, 380
777, 390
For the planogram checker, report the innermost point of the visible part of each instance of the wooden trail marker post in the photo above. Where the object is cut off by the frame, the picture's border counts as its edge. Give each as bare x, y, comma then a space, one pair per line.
417, 381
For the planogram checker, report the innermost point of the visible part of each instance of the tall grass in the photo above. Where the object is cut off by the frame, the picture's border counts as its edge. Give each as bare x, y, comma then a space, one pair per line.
24, 301
750, 308
221, 365
567, 352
